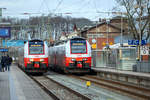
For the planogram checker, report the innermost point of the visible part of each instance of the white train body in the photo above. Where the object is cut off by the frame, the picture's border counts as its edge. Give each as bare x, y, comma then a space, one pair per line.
73, 55
33, 57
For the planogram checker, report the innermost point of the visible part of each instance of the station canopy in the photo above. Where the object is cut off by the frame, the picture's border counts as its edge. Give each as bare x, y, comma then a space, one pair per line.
14, 43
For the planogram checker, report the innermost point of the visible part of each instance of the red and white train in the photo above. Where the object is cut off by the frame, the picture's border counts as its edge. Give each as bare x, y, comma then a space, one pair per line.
33, 57
71, 56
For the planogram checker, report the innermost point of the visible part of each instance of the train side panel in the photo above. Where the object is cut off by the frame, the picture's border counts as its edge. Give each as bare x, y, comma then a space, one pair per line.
60, 56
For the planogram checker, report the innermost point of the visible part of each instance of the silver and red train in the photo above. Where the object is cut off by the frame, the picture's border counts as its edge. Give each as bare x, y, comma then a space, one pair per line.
71, 56
33, 57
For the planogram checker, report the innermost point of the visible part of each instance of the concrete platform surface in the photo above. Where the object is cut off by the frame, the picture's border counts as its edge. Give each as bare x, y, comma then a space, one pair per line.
136, 74
16, 85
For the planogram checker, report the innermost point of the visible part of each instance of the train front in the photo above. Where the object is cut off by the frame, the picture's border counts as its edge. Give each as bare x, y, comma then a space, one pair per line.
78, 57
36, 56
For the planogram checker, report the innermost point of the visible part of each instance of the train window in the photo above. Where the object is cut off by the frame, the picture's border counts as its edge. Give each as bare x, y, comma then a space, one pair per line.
78, 46
36, 48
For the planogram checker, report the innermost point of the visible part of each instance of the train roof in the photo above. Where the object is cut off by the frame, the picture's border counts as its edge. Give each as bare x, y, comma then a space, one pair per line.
35, 40
76, 38
64, 41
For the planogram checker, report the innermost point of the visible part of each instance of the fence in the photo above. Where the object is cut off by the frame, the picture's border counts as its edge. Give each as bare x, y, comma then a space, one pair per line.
103, 59
143, 66
121, 59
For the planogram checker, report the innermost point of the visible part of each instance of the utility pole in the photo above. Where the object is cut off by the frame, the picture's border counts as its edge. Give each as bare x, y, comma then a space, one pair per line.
121, 30
140, 31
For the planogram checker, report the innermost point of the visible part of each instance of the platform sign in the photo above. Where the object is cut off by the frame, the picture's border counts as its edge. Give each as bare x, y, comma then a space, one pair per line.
5, 32
94, 46
3, 50
144, 42
93, 40
144, 50
137, 42
133, 42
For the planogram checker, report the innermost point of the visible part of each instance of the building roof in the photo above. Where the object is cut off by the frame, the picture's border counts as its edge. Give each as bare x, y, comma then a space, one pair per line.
102, 23
114, 23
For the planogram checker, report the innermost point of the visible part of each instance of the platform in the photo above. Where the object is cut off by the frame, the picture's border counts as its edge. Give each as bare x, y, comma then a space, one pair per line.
16, 85
127, 76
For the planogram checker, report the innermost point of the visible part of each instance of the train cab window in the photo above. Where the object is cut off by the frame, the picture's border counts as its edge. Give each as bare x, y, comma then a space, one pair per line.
78, 46
36, 49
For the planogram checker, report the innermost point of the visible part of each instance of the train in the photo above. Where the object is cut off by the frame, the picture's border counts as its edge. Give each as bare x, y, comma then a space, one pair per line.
71, 56
33, 56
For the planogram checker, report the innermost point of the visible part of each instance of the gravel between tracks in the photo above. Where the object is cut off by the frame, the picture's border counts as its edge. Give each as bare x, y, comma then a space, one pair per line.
58, 90
93, 92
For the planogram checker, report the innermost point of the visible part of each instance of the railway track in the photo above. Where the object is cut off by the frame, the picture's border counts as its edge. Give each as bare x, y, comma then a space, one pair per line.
139, 93
57, 90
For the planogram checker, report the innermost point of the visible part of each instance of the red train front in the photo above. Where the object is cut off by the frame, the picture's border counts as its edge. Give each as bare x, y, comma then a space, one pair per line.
73, 55
34, 56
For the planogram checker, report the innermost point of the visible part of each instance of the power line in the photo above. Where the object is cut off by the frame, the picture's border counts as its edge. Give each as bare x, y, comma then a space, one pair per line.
47, 5
86, 3
59, 3
41, 6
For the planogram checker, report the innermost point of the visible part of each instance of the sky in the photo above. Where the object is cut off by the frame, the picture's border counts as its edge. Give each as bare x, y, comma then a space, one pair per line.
73, 8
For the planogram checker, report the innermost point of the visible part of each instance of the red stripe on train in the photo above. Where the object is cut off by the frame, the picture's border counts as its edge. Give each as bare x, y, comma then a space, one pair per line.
27, 61
69, 60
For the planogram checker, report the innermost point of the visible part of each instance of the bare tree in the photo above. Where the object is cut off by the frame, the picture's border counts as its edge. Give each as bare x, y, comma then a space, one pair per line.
138, 14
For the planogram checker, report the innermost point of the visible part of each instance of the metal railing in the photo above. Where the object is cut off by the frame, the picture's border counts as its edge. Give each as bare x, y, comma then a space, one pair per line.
111, 59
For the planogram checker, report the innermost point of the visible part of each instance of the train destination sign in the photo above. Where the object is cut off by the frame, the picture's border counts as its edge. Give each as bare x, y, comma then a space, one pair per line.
77, 44
5, 32
35, 45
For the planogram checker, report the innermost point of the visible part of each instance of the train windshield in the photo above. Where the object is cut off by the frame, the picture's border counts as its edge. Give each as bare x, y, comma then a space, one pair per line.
78, 46
36, 48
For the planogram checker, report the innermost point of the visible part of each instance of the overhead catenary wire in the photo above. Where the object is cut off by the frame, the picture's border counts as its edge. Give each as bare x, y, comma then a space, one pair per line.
41, 6
59, 3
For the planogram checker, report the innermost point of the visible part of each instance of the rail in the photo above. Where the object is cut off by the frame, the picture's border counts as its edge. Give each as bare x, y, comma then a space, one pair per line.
137, 92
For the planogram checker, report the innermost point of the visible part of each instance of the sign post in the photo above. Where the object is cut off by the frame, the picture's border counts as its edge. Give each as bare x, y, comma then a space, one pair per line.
94, 45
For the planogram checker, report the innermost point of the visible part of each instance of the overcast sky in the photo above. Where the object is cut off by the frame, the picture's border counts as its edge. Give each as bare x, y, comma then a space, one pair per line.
77, 8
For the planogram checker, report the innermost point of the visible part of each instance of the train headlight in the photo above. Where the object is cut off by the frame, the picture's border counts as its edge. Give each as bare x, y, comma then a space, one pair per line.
73, 59
31, 60
84, 59
41, 59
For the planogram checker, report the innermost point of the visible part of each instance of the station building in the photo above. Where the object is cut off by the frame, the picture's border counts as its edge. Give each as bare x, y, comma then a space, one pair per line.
106, 33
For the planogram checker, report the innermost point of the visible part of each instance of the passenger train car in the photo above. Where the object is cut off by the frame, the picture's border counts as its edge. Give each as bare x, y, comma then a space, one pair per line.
71, 56
33, 57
